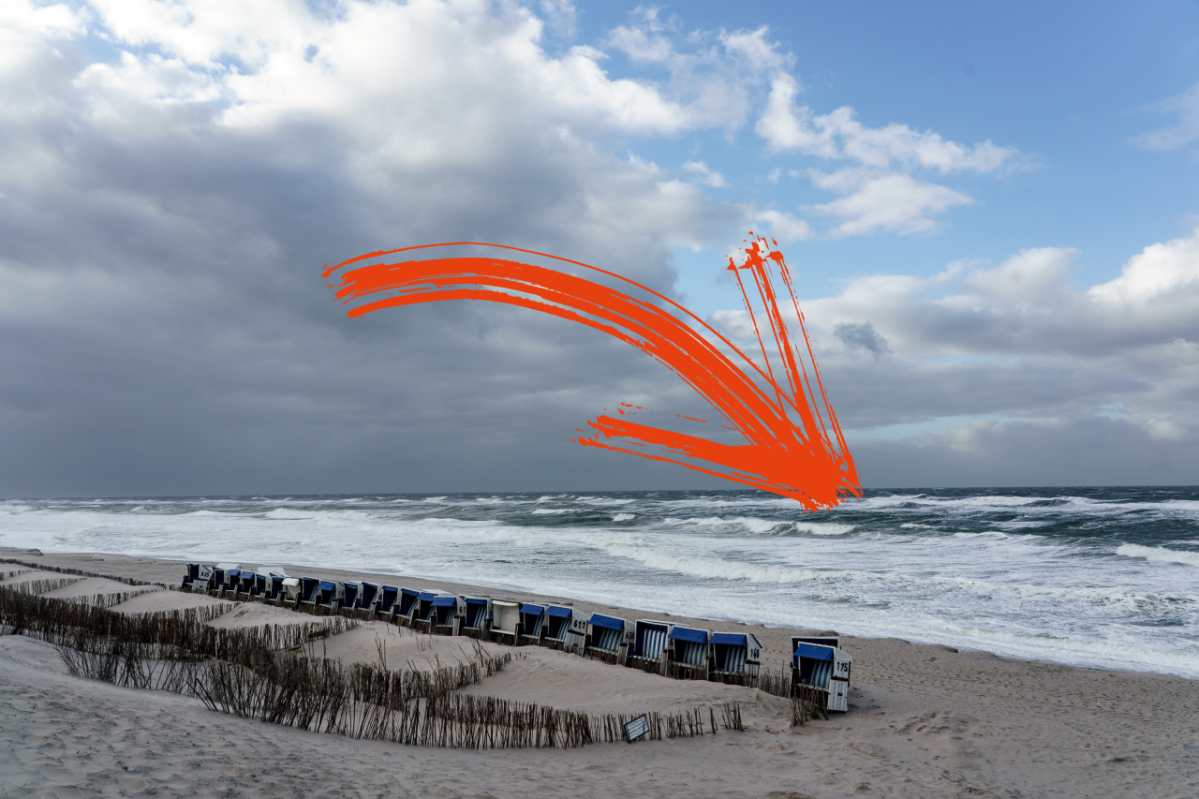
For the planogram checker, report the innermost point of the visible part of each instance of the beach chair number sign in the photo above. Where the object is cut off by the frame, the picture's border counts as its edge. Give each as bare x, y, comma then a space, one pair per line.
636, 728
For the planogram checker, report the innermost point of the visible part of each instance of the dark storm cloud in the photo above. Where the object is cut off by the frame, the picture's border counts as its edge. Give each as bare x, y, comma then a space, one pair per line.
164, 217
862, 335
166, 328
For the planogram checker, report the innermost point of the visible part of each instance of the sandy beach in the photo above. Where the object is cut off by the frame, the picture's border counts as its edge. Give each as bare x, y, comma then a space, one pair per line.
924, 721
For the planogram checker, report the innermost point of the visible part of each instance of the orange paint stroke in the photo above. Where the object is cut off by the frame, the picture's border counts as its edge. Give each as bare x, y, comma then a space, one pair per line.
794, 446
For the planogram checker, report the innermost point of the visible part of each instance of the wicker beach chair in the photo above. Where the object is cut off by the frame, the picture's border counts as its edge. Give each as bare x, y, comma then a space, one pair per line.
505, 621
403, 609
232, 579
532, 624
329, 596
308, 595
291, 593
422, 614
216, 581
648, 651
274, 589
608, 638
191, 575
565, 629
736, 658
350, 597
476, 622
687, 653
246, 582
446, 614
821, 671
366, 601
388, 594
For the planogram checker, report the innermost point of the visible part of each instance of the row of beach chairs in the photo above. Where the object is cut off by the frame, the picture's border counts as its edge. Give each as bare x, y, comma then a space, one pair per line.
659, 647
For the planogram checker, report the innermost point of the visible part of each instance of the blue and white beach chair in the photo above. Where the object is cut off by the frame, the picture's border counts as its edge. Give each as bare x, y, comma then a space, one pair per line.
821, 669
389, 595
608, 638
246, 583
532, 624
189, 577
649, 646
216, 582
268, 583
422, 614
198, 577
736, 658
274, 590
564, 629
308, 595
477, 621
291, 593
232, 578
367, 600
329, 596
687, 653
446, 615
350, 596
505, 621
403, 609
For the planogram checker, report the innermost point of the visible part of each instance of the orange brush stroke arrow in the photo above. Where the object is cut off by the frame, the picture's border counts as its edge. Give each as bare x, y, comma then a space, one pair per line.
794, 445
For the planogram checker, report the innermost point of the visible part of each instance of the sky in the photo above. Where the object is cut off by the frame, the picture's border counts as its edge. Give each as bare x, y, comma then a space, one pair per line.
992, 211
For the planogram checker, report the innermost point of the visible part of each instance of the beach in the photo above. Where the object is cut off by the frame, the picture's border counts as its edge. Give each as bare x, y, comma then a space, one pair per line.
924, 721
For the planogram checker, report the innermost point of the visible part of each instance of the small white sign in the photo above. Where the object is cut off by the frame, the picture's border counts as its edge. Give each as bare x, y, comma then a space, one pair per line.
636, 728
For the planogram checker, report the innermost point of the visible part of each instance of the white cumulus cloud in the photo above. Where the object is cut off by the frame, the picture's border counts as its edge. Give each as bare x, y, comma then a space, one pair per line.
880, 193
890, 202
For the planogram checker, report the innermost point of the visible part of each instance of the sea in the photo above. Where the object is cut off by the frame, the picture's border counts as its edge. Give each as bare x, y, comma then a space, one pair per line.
1099, 577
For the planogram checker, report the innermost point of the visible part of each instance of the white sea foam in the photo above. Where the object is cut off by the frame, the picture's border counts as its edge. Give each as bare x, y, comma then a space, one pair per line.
823, 529
711, 567
1159, 554
961, 570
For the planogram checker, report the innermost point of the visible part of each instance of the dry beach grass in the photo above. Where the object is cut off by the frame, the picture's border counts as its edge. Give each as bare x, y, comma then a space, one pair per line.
924, 721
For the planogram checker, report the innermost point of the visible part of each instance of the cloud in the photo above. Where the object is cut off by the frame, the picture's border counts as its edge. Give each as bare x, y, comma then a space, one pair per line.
562, 17
789, 127
986, 367
719, 72
1167, 273
172, 176
880, 194
783, 227
165, 211
1182, 133
890, 202
709, 178
786, 127
1026, 308
1031, 276
862, 336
